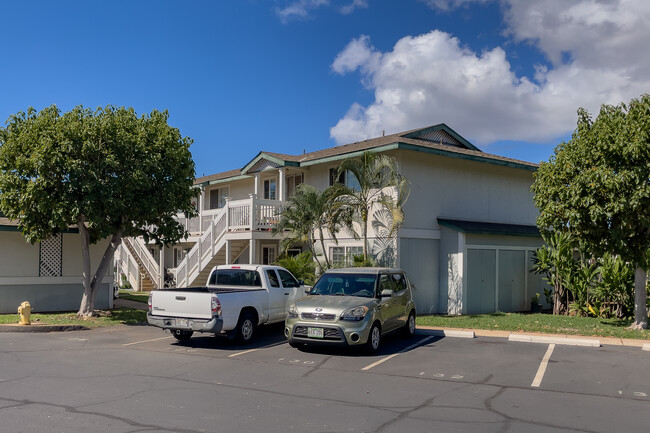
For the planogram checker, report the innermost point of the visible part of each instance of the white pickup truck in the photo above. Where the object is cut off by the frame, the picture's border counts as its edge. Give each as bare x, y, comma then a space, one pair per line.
235, 301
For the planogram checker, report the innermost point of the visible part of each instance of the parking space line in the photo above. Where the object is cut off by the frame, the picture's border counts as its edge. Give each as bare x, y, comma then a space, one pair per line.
242, 353
542, 366
146, 341
412, 346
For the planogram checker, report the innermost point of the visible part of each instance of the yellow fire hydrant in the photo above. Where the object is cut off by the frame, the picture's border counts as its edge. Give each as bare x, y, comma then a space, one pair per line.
25, 310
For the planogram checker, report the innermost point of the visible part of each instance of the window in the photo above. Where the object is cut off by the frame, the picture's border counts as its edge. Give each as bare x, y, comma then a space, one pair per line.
386, 283
344, 256
269, 189
399, 281
273, 278
292, 183
268, 255
218, 198
293, 252
287, 279
347, 178
236, 277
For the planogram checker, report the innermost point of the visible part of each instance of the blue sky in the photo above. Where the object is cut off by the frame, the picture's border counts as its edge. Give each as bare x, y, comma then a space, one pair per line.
290, 76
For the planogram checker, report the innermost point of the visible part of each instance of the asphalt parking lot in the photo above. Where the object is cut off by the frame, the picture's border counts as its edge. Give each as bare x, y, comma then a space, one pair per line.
133, 379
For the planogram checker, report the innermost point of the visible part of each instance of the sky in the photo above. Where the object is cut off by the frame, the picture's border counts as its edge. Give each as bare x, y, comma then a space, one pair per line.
294, 76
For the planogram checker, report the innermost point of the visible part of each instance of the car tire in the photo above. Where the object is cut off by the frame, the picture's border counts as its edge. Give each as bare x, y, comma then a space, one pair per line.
182, 335
246, 328
408, 331
374, 339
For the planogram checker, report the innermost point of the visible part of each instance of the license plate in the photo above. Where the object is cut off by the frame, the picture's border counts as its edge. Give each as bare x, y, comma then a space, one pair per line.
315, 332
182, 323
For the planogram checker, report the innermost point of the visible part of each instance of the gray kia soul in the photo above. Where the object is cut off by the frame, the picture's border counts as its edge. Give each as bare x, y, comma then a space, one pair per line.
353, 306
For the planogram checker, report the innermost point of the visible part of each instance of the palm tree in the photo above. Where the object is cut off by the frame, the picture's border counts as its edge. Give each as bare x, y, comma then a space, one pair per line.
379, 184
309, 211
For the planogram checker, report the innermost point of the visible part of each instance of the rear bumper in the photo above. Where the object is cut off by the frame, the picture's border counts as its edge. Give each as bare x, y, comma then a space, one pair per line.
213, 325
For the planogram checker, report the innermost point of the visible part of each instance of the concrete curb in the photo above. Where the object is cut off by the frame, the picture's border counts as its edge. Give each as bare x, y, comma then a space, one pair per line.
522, 338
448, 333
646, 346
42, 328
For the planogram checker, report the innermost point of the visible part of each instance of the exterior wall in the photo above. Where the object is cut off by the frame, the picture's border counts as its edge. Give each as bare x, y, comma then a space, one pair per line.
20, 281
455, 188
419, 258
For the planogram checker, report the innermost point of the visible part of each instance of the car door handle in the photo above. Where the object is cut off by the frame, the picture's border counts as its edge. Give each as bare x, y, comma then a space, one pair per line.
286, 294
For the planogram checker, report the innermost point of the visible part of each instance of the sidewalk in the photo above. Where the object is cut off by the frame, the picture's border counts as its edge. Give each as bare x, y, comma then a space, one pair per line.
545, 338
125, 303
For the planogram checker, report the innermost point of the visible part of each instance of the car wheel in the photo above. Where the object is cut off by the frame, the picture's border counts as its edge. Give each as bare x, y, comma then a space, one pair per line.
409, 327
181, 335
374, 339
246, 327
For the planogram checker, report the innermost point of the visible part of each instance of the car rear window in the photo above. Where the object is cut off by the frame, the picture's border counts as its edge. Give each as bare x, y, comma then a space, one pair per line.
344, 284
236, 277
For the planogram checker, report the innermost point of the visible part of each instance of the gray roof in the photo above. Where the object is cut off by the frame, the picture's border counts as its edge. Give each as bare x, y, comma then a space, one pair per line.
437, 139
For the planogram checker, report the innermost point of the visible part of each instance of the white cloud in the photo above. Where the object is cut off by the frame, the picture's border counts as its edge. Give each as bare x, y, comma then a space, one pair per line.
597, 50
301, 9
349, 8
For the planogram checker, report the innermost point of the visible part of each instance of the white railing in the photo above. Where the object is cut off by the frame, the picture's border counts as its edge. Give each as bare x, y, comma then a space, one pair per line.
248, 214
147, 260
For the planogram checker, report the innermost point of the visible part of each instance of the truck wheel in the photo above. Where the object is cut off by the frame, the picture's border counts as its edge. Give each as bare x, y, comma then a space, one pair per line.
181, 335
246, 328
374, 339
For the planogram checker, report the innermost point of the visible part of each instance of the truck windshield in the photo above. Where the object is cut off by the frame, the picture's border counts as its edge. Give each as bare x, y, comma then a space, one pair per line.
344, 284
236, 277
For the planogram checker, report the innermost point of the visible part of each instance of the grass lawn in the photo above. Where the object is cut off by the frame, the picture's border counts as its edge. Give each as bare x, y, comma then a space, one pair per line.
134, 296
547, 323
108, 318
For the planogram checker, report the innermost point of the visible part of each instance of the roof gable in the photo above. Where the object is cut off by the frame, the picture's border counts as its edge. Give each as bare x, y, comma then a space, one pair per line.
441, 134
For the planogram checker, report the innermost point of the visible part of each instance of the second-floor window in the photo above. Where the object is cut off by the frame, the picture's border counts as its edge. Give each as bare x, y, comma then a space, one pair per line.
292, 183
218, 197
270, 186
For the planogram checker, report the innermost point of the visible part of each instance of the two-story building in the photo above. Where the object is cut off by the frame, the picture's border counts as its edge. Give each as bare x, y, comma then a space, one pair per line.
466, 243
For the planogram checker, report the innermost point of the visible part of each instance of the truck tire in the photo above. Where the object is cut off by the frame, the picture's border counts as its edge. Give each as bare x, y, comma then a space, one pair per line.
246, 328
182, 335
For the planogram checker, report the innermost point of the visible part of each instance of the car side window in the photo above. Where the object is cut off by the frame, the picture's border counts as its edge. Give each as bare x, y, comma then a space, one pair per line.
287, 279
385, 283
399, 281
273, 278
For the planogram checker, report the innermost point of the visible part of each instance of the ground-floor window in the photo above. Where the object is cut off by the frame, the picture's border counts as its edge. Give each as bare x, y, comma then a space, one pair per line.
268, 255
343, 256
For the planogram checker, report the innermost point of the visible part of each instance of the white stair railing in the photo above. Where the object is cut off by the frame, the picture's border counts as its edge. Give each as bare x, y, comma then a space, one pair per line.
140, 249
249, 214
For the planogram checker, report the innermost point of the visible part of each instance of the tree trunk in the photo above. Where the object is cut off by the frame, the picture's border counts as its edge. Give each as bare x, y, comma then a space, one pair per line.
322, 245
640, 299
92, 282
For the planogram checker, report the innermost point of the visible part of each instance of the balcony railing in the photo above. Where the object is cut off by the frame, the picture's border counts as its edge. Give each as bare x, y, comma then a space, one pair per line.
237, 215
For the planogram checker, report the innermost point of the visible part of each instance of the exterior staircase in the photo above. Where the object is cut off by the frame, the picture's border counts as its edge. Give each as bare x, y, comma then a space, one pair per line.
149, 270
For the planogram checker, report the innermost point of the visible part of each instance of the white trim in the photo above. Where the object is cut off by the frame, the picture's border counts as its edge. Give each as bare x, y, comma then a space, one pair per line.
462, 271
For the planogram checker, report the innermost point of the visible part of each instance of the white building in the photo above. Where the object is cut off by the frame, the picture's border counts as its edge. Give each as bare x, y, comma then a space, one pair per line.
48, 274
466, 242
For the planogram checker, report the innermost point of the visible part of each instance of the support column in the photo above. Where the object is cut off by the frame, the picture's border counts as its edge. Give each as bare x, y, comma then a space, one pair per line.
282, 184
228, 252
161, 271
251, 252
257, 184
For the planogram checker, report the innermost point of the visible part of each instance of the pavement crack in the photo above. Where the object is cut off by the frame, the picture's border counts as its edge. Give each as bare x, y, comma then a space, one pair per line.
317, 366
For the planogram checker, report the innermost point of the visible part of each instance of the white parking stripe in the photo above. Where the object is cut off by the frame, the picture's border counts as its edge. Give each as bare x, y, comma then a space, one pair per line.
376, 363
146, 341
542, 366
242, 353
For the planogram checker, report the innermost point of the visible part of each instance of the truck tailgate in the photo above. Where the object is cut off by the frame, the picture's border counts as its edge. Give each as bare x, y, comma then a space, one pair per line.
173, 303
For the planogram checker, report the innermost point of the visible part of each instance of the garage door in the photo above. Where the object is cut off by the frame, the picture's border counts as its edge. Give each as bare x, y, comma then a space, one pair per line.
481, 280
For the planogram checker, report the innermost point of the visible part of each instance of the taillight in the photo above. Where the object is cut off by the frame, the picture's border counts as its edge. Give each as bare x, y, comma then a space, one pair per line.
216, 306
149, 302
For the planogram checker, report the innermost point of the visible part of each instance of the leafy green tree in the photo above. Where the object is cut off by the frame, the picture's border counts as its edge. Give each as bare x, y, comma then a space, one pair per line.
555, 261
309, 212
380, 185
301, 266
109, 171
597, 187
